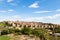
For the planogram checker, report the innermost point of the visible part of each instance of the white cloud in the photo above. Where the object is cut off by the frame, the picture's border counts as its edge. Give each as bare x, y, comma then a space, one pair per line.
54, 16
10, 10
47, 11
34, 5
3, 11
43, 18
58, 10
9, 0
41, 11
35, 19
12, 18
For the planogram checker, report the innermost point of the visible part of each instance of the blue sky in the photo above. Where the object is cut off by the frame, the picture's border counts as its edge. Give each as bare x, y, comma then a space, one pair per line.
30, 10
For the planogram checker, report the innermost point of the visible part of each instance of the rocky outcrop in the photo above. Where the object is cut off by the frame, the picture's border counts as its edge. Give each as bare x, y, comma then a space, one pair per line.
23, 37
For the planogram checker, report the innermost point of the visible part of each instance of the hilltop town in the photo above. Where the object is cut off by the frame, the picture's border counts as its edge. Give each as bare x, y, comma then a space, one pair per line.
20, 30
21, 24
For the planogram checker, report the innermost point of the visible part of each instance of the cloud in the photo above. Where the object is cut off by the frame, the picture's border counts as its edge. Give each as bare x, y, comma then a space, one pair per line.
14, 17
54, 16
47, 11
11, 18
3, 11
41, 11
9, 0
34, 19
43, 18
34, 5
58, 10
10, 10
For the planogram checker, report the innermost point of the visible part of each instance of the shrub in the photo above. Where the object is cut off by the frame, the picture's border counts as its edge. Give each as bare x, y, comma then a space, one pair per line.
58, 30
4, 32
26, 31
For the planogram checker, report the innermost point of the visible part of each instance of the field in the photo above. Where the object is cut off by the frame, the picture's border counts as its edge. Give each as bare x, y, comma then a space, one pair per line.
4, 38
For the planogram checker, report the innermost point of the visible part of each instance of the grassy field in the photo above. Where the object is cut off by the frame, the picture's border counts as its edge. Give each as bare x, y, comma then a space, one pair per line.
4, 38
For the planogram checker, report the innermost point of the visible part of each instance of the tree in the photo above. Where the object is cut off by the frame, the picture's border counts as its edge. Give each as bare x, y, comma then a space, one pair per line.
4, 32
58, 30
26, 30
42, 33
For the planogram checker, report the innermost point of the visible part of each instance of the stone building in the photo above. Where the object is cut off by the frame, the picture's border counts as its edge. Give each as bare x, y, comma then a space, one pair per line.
33, 25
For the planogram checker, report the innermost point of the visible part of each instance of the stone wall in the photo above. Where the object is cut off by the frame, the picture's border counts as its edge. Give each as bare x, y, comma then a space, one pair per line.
32, 25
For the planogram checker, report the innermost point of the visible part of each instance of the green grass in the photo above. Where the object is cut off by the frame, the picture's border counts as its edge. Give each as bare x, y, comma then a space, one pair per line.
4, 38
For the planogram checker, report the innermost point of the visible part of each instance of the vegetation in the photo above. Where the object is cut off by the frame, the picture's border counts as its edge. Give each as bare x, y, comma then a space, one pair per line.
4, 24
26, 31
4, 38
42, 33
58, 30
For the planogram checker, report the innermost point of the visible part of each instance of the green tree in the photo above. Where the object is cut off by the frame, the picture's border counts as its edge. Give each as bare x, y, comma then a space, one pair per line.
4, 32
42, 33
26, 30
58, 30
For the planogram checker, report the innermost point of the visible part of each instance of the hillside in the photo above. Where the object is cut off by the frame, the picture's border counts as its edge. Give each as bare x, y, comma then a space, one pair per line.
17, 30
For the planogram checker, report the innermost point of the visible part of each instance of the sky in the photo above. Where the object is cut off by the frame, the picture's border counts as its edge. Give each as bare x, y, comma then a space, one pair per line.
47, 11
